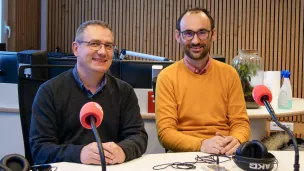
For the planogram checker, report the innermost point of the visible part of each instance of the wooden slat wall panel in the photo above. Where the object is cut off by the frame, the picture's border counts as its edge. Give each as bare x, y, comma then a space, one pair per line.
24, 19
301, 53
274, 28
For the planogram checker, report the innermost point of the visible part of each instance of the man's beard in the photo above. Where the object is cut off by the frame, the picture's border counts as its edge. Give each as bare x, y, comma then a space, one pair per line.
206, 50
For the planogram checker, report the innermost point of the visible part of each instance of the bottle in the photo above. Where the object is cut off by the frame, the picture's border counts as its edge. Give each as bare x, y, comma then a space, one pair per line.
285, 96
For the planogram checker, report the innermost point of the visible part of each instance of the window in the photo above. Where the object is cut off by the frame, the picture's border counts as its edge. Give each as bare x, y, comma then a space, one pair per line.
4, 29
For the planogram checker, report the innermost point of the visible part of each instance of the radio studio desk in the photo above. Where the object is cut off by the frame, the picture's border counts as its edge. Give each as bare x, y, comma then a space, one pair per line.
146, 162
10, 126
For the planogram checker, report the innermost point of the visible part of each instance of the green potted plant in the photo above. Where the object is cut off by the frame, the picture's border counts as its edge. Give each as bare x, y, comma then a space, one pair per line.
249, 67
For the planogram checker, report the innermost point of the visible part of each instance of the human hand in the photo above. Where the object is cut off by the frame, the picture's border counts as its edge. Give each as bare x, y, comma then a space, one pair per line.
90, 154
113, 153
213, 145
230, 144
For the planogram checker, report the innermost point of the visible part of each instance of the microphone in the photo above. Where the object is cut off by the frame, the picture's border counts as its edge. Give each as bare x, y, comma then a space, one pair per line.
262, 96
91, 115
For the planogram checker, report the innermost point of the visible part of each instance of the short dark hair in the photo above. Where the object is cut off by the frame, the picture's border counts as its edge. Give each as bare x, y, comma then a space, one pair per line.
84, 25
195, 10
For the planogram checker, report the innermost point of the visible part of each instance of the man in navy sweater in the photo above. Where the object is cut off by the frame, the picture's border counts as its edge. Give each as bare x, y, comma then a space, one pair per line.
56, 134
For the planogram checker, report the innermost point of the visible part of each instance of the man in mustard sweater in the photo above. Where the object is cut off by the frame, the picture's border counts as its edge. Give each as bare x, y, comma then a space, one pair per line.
200, 104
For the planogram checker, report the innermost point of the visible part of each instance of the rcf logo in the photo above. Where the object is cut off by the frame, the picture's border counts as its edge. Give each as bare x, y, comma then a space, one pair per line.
259, 166
98, 106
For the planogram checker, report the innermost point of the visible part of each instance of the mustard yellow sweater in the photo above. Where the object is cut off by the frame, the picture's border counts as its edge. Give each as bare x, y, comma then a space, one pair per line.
191, 108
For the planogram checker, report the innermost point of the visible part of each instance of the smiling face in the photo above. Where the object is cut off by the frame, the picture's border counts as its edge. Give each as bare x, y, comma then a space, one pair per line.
88, 58
195, 48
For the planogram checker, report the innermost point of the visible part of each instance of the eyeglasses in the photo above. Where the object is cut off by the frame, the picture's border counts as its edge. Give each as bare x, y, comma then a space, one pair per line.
201, 34
93, 45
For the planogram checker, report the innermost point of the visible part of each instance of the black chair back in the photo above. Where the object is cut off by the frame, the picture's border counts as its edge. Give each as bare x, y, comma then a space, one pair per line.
27, 89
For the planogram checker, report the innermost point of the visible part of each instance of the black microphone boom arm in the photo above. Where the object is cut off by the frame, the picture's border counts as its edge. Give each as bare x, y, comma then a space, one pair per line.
274, 118
100, 148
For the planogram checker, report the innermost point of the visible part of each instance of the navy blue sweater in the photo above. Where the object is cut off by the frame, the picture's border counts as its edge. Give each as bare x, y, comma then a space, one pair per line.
56, 134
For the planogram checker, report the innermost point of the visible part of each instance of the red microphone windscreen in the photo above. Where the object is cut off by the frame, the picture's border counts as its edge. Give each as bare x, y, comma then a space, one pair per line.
91, 109
258, 92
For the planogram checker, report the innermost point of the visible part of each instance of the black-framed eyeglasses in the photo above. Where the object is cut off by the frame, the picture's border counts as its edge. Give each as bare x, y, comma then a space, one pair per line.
95, 45
201, 34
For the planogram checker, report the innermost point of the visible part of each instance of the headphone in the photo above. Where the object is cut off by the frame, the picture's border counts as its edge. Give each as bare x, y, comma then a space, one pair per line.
253, 156
14, 162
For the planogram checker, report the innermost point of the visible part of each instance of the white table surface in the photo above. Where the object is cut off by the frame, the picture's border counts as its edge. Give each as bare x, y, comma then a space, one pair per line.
146, 162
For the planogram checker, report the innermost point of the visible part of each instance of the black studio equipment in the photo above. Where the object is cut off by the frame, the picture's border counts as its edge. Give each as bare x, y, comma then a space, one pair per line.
14, 162
34, 57
262, 96
2, 46
91, 115
253, 156
8, 67
139, 73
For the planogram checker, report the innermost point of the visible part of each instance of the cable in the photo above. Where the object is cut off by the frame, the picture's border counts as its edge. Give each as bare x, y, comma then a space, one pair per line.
176, 165
277, 164
209, 159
